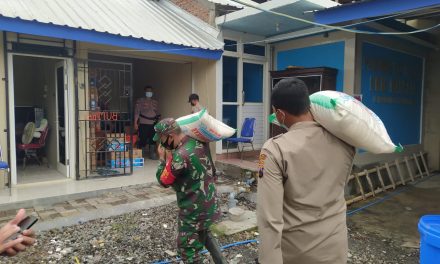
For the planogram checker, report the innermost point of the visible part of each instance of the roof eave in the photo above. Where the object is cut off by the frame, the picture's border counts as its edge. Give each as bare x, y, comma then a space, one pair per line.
64, 32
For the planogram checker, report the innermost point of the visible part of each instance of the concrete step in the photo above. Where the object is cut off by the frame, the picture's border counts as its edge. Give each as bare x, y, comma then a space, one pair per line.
236, 166
65, 197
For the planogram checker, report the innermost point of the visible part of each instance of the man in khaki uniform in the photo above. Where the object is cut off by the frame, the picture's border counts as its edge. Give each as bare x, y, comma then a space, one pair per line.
301, 208
146, 114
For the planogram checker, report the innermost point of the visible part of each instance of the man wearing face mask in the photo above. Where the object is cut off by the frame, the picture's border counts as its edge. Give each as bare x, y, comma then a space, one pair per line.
301, 210
186, 165
146, 114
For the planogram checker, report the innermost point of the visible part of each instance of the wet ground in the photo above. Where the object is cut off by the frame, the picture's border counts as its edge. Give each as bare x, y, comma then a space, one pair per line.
396, 215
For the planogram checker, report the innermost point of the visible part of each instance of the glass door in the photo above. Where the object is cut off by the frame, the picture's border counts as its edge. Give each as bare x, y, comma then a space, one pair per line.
230, 94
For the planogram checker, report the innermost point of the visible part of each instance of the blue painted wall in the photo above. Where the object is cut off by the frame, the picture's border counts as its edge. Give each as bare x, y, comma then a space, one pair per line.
391, 85
328, 55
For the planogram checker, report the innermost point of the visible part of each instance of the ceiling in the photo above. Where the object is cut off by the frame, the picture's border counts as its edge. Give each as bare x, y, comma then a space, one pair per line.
257, 22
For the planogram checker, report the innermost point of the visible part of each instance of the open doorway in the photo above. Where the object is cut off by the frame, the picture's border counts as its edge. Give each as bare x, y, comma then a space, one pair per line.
40, 118
108, 143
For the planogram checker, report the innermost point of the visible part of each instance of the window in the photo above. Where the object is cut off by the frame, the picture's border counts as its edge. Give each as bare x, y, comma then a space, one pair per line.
230, 66
253, 82
254, 49
230, 45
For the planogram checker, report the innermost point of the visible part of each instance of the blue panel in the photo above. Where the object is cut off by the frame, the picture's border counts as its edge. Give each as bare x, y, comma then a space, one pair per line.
63, 32
326, 55
230, 66
253, 82
367, 9
392, 88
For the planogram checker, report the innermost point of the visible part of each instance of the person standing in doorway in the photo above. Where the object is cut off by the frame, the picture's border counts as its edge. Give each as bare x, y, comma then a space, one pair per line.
187, 166
195, 104
301, 210
146, 114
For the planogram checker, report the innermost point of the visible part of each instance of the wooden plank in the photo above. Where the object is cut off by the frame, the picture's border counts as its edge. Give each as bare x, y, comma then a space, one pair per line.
400, 172
364, 172
369, 182
361, 189
360, 197
379, 175
390, 176
409, 168
424, 163
416, 160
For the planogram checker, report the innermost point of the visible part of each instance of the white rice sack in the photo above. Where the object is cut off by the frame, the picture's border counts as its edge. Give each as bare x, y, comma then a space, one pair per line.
204, 127
351, 121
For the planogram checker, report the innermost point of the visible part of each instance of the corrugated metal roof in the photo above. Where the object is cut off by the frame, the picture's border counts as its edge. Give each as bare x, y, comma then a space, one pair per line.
159, 21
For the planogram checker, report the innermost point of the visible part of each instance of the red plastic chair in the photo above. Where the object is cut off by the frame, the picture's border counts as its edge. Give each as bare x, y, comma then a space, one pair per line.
30, 150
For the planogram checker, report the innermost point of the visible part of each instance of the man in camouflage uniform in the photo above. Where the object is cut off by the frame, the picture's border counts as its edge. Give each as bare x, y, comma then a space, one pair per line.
186, 165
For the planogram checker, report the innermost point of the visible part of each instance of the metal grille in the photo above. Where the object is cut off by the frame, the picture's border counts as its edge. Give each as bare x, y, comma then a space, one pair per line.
105, 144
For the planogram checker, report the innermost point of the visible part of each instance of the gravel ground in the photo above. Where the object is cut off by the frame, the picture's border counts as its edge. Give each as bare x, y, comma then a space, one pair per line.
147, 236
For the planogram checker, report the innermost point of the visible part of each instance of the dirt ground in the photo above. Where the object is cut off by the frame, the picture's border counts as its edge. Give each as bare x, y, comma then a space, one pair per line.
385, 232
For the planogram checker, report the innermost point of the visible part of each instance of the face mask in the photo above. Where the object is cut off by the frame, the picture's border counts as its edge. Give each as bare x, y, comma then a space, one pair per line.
166, 145
149, 94
273, 120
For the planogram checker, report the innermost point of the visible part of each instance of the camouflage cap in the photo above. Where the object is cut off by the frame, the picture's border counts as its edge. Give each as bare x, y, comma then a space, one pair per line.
165, 127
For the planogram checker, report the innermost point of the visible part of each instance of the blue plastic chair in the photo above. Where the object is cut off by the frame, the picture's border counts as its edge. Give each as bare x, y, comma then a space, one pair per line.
4, 167
246, 136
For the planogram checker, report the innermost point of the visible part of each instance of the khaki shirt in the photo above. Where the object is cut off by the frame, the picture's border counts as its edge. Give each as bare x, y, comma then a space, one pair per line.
301, 209
146, 107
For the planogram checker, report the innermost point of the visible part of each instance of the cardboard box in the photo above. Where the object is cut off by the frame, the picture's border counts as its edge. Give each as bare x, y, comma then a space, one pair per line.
115, 136
118, 155
122, 138
137, 153
114, 164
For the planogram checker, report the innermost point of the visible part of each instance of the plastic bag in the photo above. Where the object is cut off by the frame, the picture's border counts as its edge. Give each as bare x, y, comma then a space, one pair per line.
204, 127
351, 121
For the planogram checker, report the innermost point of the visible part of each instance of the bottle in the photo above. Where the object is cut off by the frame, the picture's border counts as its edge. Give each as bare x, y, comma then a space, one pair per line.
232, 202
92, 102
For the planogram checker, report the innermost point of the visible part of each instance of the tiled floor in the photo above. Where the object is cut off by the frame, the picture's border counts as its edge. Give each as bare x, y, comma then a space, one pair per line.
65, 186
35, 174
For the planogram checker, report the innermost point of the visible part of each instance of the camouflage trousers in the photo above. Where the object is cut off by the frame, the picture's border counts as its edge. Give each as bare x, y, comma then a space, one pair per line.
191, 241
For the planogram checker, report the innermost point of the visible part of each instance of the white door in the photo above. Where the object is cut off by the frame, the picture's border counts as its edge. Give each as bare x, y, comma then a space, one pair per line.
62, 122
243, 96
